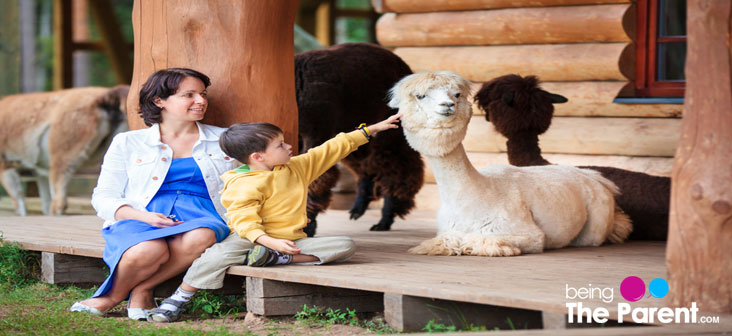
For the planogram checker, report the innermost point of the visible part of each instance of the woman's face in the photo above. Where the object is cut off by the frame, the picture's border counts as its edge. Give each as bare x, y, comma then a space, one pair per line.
189, 103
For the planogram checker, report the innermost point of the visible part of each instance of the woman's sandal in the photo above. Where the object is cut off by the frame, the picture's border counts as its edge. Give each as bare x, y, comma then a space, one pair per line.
166, 316
138, 314
79, 307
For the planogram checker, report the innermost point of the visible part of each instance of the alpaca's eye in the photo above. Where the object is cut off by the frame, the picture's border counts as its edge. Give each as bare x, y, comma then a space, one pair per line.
420, 97
457, 95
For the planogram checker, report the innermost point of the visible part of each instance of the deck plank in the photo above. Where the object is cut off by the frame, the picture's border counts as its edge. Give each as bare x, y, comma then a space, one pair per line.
381, 264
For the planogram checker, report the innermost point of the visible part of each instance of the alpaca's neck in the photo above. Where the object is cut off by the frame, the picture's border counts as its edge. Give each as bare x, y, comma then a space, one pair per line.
523, 150
453, 172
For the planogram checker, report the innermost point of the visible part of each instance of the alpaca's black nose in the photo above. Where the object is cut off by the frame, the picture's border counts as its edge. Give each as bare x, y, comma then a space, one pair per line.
448, 104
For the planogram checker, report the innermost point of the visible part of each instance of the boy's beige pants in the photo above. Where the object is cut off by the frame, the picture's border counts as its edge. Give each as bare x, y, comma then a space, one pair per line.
207, 272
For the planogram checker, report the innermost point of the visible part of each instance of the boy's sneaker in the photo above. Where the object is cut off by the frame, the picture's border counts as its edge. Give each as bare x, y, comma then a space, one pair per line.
260, 256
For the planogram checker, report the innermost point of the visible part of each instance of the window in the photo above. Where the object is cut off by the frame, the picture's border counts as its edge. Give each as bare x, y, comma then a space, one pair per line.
661, 48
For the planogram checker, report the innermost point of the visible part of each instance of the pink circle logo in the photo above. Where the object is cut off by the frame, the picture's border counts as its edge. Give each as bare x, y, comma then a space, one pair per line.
632, 288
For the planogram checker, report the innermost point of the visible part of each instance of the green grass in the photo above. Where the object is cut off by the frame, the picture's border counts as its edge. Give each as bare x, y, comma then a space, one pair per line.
18, 267
213, 305
29, 307
314, 316
42, 309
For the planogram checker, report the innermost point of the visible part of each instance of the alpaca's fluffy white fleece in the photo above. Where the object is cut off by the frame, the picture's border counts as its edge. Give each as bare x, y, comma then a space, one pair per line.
501, 210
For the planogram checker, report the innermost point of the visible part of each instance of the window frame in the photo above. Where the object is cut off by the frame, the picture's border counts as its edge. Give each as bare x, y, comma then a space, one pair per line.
647, 41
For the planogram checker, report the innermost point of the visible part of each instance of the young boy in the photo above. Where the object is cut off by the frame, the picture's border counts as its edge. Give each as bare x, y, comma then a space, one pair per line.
266, 207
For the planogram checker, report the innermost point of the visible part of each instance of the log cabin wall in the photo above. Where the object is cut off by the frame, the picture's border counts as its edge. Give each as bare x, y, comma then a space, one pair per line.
581, 49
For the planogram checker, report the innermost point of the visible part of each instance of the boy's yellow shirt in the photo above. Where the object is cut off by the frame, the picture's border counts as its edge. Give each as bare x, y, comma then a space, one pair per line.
274, 202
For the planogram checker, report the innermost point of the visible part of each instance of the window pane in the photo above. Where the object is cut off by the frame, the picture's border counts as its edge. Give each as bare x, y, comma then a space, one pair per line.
671, 59
672, 18
352, 30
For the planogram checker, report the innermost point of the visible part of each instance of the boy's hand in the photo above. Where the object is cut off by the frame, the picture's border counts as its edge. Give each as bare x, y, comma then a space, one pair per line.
385, 125
279, 245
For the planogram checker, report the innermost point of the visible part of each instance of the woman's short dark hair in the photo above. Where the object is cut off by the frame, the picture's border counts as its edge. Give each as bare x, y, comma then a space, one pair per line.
162, 84
241, 140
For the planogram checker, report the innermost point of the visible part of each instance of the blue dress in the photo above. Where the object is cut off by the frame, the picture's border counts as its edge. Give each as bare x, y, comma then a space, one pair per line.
182, 194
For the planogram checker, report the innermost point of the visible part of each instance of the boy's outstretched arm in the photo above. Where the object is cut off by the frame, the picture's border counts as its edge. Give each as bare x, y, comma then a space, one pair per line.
319, 159
384, 125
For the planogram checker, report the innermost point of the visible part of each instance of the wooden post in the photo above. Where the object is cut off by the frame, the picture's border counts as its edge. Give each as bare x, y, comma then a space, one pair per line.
10, 58
57, 268
62, 44
272, 298
114, 42
699, 253
246, 47
411, 313
324, 22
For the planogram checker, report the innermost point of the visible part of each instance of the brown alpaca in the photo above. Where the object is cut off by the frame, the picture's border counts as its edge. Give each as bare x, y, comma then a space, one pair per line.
520, 110
337, 89
54, 134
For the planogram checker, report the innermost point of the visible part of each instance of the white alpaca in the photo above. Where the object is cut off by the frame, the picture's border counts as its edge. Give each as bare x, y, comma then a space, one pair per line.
502, 210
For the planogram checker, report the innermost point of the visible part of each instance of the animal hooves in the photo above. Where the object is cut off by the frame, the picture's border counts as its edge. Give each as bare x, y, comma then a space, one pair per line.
355, 214
436, 246
380, 227
496, 249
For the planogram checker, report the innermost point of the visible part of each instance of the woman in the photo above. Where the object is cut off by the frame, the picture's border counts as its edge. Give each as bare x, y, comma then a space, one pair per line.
158, 193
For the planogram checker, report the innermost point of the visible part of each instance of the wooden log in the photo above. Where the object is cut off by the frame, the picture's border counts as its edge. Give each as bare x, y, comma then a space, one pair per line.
59, 268
245, 47
698, 254
550, 62
272, 298
114, 42
595, 99
534, 25
659, 166
10, 49
413, 6
603, 136
62, 40
412, 313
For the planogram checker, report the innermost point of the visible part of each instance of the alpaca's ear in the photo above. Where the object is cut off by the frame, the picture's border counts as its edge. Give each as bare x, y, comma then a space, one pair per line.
393, 97
555, 98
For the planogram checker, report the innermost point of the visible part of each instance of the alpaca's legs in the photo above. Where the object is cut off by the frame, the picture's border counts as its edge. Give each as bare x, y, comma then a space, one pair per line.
364, 196
319, 196
387, 215
502, 245
599, 225
443, 244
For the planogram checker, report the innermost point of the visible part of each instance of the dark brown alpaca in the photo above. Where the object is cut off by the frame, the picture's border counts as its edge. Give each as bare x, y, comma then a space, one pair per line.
337, 89
520, 110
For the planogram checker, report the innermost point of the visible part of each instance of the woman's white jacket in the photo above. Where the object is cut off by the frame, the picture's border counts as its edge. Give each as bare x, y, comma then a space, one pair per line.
137, 161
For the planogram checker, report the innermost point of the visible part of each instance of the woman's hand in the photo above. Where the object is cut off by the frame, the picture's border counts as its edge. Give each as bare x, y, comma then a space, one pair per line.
152, 218
279, 245
157, 220
385, 125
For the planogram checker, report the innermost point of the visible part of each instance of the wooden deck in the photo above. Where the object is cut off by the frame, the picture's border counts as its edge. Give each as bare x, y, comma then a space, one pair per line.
533, 282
